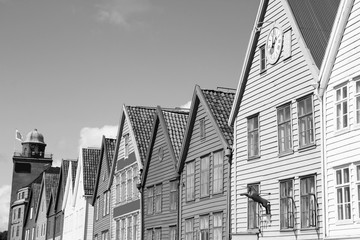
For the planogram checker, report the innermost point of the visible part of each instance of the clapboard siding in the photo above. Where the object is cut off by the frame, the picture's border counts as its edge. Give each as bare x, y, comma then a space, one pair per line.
160, 172
342, 146
215, 202
284, 82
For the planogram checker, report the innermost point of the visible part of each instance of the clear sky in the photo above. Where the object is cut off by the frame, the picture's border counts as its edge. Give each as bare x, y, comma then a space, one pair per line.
67, 66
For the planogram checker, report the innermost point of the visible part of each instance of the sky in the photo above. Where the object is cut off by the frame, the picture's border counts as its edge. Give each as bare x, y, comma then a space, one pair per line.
68, 66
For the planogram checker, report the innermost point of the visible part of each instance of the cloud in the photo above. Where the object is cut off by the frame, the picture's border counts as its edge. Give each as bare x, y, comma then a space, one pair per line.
186, 105
122, 12
5, 191
92, 137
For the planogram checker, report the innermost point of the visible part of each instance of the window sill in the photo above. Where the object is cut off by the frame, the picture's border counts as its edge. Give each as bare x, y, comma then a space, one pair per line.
307, 147
253, 158
253, 231
338, 132
344, 222
204, 197
287, 230
263, 71
309, 229
283, 154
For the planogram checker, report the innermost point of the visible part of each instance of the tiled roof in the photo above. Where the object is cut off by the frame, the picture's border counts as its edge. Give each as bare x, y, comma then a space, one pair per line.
176, 124
220, 104
141, 119
35, 192
52, 175
90, 157
315, 19
74, 165
110, 148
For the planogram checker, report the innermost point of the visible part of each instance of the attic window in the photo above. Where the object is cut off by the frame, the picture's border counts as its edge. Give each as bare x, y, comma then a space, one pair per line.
287, 44
262, 59
126, 147
161, 154
202, 128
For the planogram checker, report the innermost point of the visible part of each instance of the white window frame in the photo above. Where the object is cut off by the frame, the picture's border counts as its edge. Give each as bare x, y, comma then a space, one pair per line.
204, 227
262, 59
135, 176
189, 229
310, 137
344, 99
217, 225
287, 201
97, 208
129, 229
129, 184
253, 209
190, 185
218, 170
150, 200
357, 187
173, 195
202, 128
126, 145
251, 133
205, 176
173, 232
343, 185
158, 198
285, 125
356, 96
308, 197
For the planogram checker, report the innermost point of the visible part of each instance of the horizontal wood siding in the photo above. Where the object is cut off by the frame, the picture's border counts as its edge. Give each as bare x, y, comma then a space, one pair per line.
215, 203
342, 147
284, 82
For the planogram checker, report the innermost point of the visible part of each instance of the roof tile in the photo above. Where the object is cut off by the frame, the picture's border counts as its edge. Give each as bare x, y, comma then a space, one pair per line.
91, 157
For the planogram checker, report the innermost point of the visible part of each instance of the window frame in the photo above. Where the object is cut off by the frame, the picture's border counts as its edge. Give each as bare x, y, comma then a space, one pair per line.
173, 232
126, 145
158, 198
251, 134
157, 233
262, 58
149, 234
287, 203
129, 229
253, 210
205, 176
287, 126
357, 186
174, 195
135, 176
190, 190
343, 185
340, 102
310, 214
306, 115
202, 128
129, 184
150, 200
123, 187
204, 228
118, 188
217, 225
356, 100
97, 208
189, 229
218, 172
287, 46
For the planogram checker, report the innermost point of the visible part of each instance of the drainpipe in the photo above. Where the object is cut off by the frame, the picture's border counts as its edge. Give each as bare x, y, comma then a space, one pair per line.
228, 155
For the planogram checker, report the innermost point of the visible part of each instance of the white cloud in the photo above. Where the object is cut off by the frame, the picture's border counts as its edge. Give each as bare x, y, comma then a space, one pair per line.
186, 105
5, 192
122, 12
92, 137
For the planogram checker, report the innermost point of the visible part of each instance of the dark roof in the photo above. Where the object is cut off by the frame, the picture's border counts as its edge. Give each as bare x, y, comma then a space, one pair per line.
52, 175
141, 119
74, 165
110, 149
176, 125
64, 169
90, 157
315, 19
220, 104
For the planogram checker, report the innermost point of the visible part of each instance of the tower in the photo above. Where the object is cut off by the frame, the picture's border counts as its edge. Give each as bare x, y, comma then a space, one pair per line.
27, 166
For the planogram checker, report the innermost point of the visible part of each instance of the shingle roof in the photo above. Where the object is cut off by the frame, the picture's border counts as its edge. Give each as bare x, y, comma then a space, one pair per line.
141, 119
74, 165
91, 158
315, 19
220, 104
110, 149
176, 125
52, 175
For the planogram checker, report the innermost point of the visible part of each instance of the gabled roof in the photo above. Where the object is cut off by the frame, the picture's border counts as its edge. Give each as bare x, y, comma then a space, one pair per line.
107, 152
217, 105
317, 14
35, 187
90, 158
173, 123
74, 165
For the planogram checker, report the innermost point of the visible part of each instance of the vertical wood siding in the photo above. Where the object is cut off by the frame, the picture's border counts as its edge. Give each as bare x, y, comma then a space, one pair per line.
214, 203
284, 82
342, 147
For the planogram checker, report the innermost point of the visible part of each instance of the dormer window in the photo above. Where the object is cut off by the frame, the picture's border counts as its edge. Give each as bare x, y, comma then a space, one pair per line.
126, 147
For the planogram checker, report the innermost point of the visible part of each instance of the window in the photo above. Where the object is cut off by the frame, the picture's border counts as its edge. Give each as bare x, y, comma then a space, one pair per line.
217, 226
160, 154
262, 59
173, 195
157, 234
117, 231
308, 204
358, 187
287, 44
107, 202
218, 172
19, 213
284, 128
286, 204
129, 184
204, 227
202, 128
96, 237
149, 234
14, 214
17, 231
173, 233
341, 106
118, 193
123, 229
135, 181
189, 229
343, 193
136, 226
129, 228
158, 198
253, 136
123, 187
357, 99
126, 146
150, 204
204, 176
190, 181
105, 235
104, 203
306, 123
97, 208
33, 233
31, 212
253, 210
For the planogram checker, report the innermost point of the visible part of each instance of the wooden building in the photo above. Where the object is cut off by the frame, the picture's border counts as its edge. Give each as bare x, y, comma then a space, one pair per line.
204, 167
131, 145
340, 93
101, 194
277, 120
160, 179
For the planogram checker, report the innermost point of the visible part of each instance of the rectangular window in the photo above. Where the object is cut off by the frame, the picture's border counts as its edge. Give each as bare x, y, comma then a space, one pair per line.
19, 213
306, 122
118, 193
157, 234
129, 184
122, 229
123, 187
357, 100
284, 128
217, 226
149, 234
287, 44
341, 107
129, 228
126, 146
105, 235
173, 195
150, 199
202, 128
96, 237
31, 212
358, 187
33, 233
308, 204
173, 233
136, 226
218, 172
190, 181
135, 181
343, 193
158, 198
204, 227
204, 176
17, 231
262, 59
253, 210
104, 203
97, 206
286, 204
253, 136
117, 231
189, 229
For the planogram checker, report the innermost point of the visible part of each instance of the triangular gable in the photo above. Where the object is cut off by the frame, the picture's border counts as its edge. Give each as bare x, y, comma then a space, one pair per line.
62, 182
173, 123
69, 186
40, 197
35, 187
215, 116
296, 19
90, 161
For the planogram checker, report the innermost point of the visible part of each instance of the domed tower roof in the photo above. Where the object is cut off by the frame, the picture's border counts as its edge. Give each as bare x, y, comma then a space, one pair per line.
34, 137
